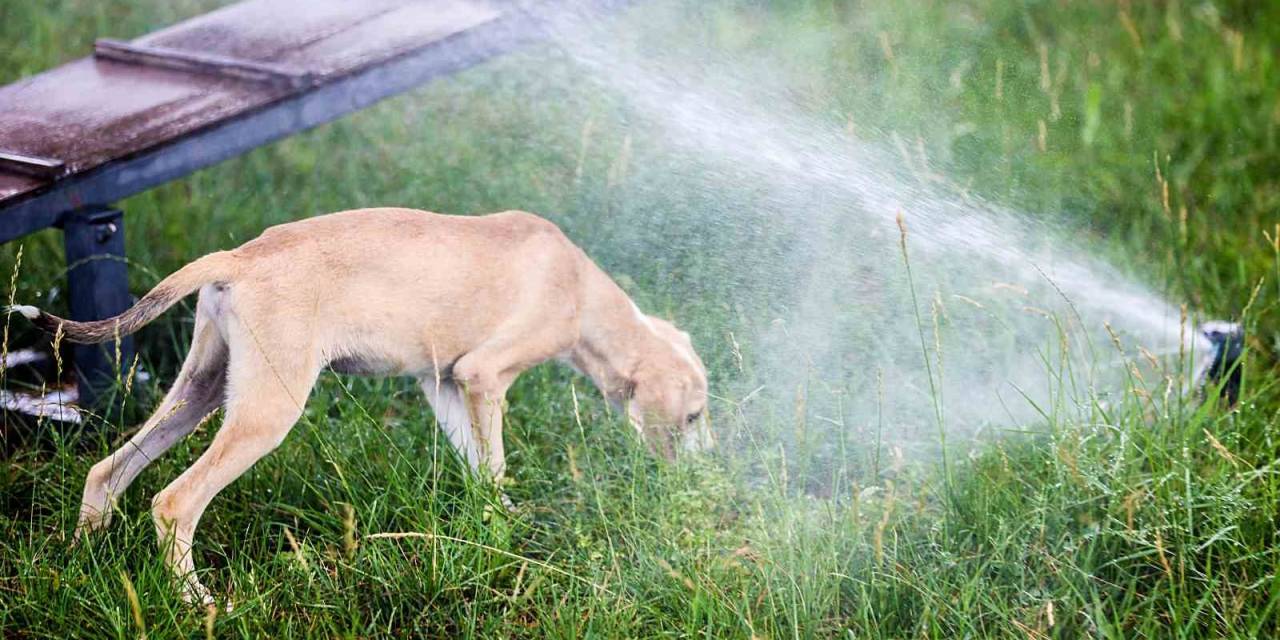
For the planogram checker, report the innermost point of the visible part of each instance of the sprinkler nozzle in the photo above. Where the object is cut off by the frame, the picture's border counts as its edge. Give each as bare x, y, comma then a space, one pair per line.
1223, 344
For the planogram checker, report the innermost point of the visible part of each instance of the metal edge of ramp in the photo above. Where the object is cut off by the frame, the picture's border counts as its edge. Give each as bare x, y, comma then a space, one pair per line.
518, 25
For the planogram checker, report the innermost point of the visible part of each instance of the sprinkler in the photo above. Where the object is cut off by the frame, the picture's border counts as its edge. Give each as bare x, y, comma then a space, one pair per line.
1223, 343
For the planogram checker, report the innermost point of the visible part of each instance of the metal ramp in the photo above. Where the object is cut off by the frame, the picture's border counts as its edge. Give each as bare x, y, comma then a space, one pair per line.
136, 114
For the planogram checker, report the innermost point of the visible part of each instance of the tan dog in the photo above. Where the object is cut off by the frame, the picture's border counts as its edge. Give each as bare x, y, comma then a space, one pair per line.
464, 304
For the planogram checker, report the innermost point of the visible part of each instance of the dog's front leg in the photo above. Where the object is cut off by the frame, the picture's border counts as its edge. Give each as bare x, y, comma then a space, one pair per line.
486, 372
454, 417
485, 389
458, 414
484, 400
486, 409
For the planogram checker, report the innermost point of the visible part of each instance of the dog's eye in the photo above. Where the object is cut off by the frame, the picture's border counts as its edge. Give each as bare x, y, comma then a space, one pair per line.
693, 417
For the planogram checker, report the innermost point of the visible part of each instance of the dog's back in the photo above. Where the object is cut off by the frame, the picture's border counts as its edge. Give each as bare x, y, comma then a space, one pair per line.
397, 281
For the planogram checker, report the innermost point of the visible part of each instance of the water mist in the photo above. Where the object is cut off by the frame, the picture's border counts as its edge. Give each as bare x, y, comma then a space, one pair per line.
886, 303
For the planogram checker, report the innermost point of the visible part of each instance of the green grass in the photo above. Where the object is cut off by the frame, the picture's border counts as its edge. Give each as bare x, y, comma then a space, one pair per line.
1124, 517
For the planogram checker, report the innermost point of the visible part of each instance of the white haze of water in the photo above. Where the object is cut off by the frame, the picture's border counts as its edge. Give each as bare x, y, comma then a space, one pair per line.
997, 291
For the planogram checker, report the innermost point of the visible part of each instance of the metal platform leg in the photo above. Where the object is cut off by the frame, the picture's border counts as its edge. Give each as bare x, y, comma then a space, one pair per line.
98, 288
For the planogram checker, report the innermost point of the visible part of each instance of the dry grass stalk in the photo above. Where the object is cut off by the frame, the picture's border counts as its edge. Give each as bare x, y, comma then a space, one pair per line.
135, 606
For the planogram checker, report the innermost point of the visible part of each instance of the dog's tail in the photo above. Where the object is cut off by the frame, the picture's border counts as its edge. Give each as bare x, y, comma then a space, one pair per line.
215, 267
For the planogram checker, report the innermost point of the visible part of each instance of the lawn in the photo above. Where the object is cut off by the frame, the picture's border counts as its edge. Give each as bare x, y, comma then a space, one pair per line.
837, 504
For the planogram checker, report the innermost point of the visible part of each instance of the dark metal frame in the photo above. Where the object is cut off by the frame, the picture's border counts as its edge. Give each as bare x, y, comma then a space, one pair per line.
97, 288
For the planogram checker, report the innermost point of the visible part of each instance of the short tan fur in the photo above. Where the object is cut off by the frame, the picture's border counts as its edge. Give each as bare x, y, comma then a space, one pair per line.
463, 303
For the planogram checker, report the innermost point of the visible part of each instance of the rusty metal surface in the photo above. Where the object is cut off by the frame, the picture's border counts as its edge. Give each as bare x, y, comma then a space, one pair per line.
202, 63
94, 110
45, 168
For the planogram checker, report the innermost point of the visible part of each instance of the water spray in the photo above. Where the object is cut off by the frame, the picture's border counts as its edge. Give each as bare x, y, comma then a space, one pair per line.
1016, 312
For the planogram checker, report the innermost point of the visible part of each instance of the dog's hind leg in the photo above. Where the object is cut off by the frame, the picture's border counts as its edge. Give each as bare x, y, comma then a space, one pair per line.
266, 393
197, 393
454, 417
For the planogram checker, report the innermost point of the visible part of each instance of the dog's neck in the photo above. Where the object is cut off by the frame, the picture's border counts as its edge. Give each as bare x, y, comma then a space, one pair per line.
614, 336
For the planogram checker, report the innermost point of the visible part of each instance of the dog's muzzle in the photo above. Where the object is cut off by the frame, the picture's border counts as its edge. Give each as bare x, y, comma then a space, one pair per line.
697, 438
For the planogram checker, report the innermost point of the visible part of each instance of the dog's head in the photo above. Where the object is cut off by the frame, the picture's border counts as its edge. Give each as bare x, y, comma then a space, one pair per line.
668, 403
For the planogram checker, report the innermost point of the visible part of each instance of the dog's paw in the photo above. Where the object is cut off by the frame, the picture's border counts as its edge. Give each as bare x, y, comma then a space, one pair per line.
491, 511
90, 520
194, 593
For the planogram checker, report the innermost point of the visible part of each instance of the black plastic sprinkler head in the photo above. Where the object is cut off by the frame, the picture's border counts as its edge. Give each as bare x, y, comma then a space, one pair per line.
1220, 364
